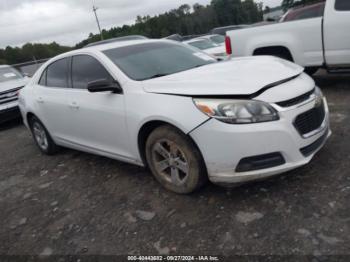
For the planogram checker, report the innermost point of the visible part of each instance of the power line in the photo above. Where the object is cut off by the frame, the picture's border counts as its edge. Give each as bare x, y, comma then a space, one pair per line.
94, 9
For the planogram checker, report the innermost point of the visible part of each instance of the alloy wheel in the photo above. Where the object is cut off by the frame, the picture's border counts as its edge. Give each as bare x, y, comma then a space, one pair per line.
170, 161
40, 135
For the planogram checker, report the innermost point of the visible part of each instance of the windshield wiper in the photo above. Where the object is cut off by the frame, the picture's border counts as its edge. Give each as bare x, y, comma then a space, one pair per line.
156, 76
199, 65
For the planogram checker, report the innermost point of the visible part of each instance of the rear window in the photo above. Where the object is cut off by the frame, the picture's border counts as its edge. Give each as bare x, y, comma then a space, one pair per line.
305, 13
342, 5
218, 39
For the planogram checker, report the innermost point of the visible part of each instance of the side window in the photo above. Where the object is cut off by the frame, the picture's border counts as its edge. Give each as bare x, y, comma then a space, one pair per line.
86, 69
57, 74
42, 81
342, 5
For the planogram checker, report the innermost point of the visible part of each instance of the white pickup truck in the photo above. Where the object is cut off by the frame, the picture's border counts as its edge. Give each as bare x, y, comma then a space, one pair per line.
312, 43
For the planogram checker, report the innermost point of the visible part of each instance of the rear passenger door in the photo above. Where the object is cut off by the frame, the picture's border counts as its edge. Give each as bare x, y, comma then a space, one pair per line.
337, 33
97, 119
51, 98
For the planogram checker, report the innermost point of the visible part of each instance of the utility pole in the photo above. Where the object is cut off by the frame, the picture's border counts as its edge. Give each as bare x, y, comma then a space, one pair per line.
94, 9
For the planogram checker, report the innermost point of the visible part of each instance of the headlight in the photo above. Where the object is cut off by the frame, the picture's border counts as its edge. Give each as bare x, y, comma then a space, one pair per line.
237, 111
318, 92
318, 97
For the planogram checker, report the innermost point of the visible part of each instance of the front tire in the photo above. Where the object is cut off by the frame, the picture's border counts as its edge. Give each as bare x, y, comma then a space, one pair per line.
42, 137
175, 161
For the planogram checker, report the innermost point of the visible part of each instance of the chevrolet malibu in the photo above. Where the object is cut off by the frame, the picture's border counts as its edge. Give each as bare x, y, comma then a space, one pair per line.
178, 111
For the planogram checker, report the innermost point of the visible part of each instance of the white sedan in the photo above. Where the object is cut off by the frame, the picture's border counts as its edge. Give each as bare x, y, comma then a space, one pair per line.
208, 46
167, 106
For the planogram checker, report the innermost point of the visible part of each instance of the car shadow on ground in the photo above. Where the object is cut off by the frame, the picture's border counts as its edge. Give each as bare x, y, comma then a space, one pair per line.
333, 81
11, 124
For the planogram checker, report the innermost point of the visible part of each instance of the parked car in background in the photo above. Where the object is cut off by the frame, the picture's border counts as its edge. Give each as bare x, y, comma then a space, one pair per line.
304, 12
224, 29
181, 38
209, 47
174, 37
312, 43
118, 39
216, 39
11, 81
189, 118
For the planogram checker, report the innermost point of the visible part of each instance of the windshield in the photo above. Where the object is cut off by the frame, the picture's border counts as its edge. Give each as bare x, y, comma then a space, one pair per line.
202, 44
218, 39
156, 59
8, 74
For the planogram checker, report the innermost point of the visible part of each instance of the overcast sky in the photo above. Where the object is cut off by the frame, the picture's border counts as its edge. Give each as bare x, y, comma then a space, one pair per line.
70, 21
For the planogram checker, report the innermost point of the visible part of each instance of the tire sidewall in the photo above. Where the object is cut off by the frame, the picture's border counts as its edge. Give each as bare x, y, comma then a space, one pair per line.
51, 148
193, 156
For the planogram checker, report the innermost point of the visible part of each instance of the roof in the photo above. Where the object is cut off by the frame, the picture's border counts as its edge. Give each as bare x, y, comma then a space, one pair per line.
118, 39
4, 66
123, 43
101, 48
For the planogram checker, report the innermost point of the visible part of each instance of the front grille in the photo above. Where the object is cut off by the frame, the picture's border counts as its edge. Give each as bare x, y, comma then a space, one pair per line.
310, 149
310, 120
9, 96
296, 100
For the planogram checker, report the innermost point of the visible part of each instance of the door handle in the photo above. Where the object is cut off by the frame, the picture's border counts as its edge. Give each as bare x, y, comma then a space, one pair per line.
74, 105
40, 100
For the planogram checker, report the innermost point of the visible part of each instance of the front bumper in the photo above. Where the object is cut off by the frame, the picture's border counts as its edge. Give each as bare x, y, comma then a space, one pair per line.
223, 146
9, 112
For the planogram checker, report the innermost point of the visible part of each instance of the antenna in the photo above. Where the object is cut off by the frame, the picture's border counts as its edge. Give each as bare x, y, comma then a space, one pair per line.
94, 9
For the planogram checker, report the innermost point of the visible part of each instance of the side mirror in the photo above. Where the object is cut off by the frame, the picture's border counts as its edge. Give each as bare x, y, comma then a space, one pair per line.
104, 85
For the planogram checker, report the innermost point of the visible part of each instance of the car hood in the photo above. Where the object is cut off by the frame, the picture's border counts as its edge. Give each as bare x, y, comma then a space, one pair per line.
239, 76
13, 84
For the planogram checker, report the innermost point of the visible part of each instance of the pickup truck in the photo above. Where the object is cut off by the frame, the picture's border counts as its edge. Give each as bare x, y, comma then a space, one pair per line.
312, 43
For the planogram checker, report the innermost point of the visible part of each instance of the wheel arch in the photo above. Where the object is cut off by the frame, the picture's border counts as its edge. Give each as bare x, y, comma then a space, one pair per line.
147, 128
29, 116
274, 50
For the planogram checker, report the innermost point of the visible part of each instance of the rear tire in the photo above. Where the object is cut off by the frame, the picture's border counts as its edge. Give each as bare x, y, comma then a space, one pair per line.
42, 137
175, 160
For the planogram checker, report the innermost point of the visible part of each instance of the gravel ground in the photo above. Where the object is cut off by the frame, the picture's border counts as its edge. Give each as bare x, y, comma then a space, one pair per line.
76, 203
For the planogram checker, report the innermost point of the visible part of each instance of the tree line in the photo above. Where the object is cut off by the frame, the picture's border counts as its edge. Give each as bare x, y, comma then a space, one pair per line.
287, 4
184, 20
187, 20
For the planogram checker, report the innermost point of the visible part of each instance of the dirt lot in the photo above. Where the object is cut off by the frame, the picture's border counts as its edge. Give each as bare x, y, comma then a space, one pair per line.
76, 203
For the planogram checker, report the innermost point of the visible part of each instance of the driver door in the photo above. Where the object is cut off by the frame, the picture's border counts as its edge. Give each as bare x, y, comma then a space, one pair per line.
97, 120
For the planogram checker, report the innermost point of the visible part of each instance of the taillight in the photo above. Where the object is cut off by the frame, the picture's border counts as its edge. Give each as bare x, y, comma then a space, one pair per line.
228, 45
